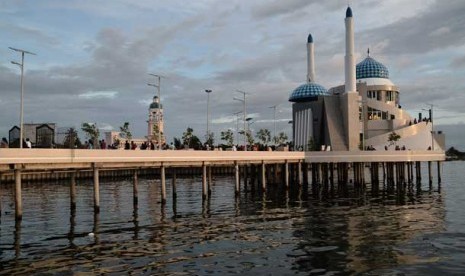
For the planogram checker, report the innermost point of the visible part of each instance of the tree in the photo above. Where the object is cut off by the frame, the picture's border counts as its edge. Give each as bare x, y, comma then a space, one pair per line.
155, 134
177, 142
92, 132
393, 138
210, 138
72, 139
264, 136
280, 139
249, 136
125, 132
311, 145
228, 136
187, 136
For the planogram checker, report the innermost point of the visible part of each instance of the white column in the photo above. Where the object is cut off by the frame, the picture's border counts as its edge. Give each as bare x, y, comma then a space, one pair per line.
310, 60
349, 58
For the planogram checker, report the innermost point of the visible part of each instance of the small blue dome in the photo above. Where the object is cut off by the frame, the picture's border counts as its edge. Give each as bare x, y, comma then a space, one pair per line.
370, 68
349, 12
307, 92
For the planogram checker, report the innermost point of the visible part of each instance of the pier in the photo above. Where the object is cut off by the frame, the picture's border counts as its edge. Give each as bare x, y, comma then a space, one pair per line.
263, 167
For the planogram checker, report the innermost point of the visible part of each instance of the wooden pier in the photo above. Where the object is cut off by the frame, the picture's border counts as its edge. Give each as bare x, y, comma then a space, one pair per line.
264, 166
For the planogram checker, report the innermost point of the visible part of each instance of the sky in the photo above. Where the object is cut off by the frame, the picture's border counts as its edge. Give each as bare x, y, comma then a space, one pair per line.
94, 58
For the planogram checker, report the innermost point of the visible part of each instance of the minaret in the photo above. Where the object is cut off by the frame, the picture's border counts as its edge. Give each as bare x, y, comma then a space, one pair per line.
350, 97
310, 59
349, 58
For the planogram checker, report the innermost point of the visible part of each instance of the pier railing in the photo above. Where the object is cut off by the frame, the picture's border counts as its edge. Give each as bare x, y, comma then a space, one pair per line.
65, 158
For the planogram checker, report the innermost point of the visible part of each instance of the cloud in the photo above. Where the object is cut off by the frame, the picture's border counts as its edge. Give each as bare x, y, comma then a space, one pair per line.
98, 95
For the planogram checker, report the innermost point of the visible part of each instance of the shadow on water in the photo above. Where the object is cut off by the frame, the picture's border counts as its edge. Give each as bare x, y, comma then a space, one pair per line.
309, 228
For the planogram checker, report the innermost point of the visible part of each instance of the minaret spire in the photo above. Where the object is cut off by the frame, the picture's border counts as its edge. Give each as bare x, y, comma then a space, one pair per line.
310, 59
349, 58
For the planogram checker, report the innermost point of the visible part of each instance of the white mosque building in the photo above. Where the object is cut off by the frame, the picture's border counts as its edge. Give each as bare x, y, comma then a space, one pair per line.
362, 113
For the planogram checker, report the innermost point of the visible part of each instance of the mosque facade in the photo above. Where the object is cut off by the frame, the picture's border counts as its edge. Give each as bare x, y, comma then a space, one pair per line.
363, 113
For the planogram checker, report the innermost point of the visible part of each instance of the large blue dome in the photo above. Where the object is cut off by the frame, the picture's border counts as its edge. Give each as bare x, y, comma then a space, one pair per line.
370, 68
307, 92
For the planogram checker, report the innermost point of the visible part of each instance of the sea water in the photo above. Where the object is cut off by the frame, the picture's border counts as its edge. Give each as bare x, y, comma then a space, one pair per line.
283, 232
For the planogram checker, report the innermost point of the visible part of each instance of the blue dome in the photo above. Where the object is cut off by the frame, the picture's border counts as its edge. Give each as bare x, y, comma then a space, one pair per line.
370, 68
307, 92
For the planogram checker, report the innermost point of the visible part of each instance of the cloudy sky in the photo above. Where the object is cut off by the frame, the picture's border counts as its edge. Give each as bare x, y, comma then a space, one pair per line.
93, 58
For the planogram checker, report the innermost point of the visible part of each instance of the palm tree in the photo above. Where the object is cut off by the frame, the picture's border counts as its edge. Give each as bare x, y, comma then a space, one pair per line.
125, 132
71, 139
281, 138
92, 132
264, 135
228, 136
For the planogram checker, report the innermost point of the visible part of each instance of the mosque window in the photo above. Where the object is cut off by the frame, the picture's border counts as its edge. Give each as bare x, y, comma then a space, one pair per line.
390, 96
375, 114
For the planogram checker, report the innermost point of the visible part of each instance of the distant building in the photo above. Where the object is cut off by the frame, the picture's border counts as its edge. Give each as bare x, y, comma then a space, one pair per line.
41, 135
155, 123
362, 113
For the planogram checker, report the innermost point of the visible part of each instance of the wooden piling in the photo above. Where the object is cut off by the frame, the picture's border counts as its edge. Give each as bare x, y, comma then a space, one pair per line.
135, 197
209, 180
96, 189
286, 174
72, 190
299, 173
236, 175
18, 199
204, 181
173, 184
430, 174
163, 184
263, 176
439, 172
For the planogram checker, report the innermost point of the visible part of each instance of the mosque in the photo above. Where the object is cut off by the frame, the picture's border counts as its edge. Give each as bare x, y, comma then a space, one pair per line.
363, 113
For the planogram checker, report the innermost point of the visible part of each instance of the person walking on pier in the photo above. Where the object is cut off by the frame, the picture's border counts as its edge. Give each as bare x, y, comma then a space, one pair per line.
4, 143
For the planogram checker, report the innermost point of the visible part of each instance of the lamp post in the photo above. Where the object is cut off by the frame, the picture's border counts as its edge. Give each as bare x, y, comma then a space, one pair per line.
208, 91
21, 65
274, 123
245, 115
159, 105
237, 125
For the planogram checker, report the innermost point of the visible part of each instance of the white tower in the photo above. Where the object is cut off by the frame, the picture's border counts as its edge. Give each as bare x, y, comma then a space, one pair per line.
310, 60
350, 98
350, 85
155, 121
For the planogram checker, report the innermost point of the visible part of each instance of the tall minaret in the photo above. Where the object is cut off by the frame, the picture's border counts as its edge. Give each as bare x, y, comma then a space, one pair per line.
350, 97
310, 60
349, 58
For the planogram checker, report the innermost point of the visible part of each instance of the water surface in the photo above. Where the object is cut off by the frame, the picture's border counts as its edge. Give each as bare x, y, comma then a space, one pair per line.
283, 232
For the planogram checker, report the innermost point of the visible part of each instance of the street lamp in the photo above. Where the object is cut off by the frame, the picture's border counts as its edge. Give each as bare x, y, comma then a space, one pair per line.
237, 125
208, 91
245, 115
159, 105
274, 122
21, 65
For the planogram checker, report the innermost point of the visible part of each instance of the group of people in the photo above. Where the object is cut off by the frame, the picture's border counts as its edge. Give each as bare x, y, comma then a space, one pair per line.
26, 143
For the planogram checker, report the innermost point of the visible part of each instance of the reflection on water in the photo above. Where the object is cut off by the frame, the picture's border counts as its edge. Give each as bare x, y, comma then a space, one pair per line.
301, 230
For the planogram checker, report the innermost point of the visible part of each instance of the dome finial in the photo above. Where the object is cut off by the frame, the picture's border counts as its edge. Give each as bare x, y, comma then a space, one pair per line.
348, 12
310, 38
368, 51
